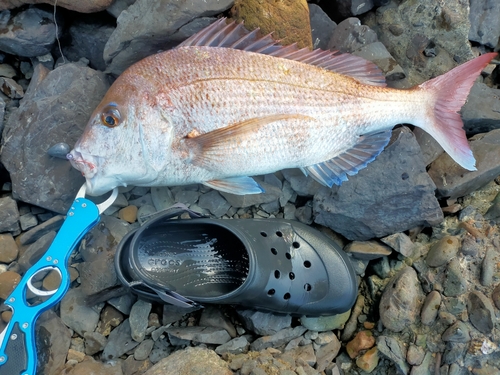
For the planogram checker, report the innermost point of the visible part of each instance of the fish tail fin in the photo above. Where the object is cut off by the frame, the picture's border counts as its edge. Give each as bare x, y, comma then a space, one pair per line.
449, 93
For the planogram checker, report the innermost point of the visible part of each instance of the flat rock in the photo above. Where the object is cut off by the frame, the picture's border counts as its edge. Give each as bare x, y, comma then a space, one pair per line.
279, 338
367, 250
400, 242
119, 342
31, 131
214, 202
458, 332
53, 224
392, 348
207, 335
481, 312
455, 283
94, 342
235, 346
264, 323
453, 181
191, 361
138, 319
76, 314
401, 300
9, 215
393, 194
430, 308
326, 353
442, 251
485, 26
481, 112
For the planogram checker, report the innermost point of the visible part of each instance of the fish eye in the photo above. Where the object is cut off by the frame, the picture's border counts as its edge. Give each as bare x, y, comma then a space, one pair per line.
110, 117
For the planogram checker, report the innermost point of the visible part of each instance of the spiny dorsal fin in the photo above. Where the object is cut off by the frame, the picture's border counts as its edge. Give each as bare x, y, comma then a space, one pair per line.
233, 35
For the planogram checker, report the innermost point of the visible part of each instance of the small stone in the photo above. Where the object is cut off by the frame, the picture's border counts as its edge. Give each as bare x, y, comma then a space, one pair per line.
9, 215
324, 338
128, 213
59, 150
470, 245
206, 335
138, 319
326, 353
7, 316
162, 198
362, 341
369, 360
142, 351
443, 251
8, 248
110, 318
367, 250
74, 355
76, 314
213, 317
415, 355
119, 342
31, 236
52, 281
94, 342
154, 320
458, 332
214, 202
392, 349
400, 242
8, 281
133, 367
430, 308
11, 88
304, 353
488, 267
455, 283
280, 338
481, 313
495, 296
264, 323
235, 346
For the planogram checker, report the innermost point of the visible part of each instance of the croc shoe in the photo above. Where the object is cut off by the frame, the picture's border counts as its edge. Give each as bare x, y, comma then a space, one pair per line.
266, 264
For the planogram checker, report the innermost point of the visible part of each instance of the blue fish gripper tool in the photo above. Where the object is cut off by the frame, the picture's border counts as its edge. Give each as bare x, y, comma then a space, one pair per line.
18, 349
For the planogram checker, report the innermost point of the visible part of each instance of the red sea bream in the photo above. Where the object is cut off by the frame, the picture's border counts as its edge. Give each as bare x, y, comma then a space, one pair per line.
226, 105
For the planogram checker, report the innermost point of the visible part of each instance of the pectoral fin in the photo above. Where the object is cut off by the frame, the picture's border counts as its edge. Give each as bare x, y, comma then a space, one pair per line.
236, 185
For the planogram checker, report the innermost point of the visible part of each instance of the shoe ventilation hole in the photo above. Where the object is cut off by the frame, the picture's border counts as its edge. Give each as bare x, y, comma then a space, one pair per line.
263, 234
291, 275
296, 245
288, 256
279, 234
277, 274
307, 287
307, 264
274, 251
287, 296
271, 292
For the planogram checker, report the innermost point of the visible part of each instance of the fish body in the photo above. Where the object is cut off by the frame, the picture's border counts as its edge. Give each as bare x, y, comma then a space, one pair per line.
208, 112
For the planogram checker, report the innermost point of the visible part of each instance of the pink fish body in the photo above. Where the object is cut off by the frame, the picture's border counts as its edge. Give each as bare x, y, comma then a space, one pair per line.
226, 105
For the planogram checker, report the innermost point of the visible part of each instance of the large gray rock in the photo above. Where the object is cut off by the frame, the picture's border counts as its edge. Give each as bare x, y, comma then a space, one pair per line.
481, 112
393, 194
453, 181
484, 22
55, 109
142, 29
321, 26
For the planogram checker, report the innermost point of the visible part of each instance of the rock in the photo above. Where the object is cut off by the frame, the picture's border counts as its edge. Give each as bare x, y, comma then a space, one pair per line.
128, 213
452, 181
76, 314
442, 251
9, 215
480, 309
83, 6
301, 184
28, 221
162, 198
401, 243
74, 355
142, 30
393, 194
393, 349
59, 150
430, 308
350, 35
123, 303
8, 248
191, 361
35, 251
480, 113
31, 131
425, 366
348, 8
455, 283
271, 193
495, 296
325, 323
326, 353
289, 22
484, 26
173, 313
91, 366
11, 88
401, 300
214, 202
264, 323
458, 332
213, 317
53, 224
369, 360
362, 341
119, 6
134, 367
28, 33
235, 346
367, 250
94, 342
142, 352
8, 281
119, 342
7, 70
488, 267
161, 349
321, 26
279, 338
206, 335
110, 318
138, 320
415, 355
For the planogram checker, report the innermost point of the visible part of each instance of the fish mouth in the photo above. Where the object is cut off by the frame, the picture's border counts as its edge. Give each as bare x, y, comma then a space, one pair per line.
84, 163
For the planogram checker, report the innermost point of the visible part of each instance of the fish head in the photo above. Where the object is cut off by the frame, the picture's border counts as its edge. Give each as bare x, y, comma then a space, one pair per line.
113, 149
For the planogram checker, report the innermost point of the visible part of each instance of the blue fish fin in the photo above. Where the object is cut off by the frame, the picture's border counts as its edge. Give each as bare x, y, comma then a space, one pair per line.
236, 185
236, 36
335, 171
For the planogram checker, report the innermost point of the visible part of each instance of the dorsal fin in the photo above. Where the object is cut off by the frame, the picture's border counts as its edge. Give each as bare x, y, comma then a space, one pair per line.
233, 35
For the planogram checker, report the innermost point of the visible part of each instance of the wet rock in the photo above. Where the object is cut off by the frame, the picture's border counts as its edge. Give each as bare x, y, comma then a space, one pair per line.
452, 181
76, 314
480, 113
53, 224
138, 319
31, 131
362, 341
8, 248
401, 300
442, 251
394, 193
485, 27
481, 313
350, 35
289, 22
28, 221
430, 308
94, 342
235, 346
52, 343
119, 342
278, 339
141, 32
59, 150
84, 6
400, 242
207, 335
458, 332
214, 202
191, 361
394, 350
28, 33
348, 8
9, 215
367, 250
321, 26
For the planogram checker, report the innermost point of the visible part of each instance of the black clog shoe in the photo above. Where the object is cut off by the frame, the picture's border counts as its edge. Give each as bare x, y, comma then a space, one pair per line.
266, 264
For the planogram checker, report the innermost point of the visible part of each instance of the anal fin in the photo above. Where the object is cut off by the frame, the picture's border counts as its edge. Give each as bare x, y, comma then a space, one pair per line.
236, 185
336, 170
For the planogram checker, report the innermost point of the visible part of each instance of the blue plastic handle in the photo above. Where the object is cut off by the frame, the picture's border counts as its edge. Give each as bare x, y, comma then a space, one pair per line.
18, 349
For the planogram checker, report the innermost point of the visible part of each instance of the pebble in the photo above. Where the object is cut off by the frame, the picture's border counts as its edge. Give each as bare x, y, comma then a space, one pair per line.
455, 283
470, 245
392, 349
206, 335
8, 281
488, 267
264, 323
119, 342
28, 221
52, 281
458, 332
59, 150
495, 296
481, 312
129, 214
367, 250
75, 355
443, 251
8, 248
415, 355
138, 319
143, 350
279, 338
235, 346
11, 88
430, 308
362, 341
326, 353
400, 242
369, 360
110, 318
9, 215
94, 342
162, 198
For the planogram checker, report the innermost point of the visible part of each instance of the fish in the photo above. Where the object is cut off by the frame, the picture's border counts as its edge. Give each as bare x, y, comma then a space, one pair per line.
228, 104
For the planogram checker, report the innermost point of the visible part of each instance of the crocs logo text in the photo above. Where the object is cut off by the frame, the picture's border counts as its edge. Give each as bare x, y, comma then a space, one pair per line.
163, 262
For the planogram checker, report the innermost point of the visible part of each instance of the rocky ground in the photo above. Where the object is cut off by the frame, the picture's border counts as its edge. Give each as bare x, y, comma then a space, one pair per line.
422, 232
